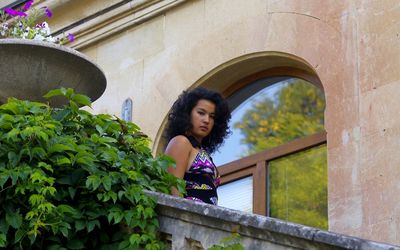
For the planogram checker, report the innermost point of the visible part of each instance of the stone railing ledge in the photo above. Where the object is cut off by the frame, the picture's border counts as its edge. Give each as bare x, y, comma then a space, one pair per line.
256, 231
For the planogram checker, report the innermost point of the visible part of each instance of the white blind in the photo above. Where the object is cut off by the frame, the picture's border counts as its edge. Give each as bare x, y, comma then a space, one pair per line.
237, 195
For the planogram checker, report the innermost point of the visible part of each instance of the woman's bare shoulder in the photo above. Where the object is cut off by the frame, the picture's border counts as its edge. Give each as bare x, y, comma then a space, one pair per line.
179, 141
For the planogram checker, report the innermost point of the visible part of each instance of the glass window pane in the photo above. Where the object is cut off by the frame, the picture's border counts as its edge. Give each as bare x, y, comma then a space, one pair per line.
237, 195
274, 115
298, 188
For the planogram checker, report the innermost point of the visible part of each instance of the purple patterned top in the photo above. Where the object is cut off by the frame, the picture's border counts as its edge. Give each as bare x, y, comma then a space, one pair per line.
202, 179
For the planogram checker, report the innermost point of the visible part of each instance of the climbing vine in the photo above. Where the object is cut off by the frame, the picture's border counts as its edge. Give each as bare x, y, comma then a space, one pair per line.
73, 180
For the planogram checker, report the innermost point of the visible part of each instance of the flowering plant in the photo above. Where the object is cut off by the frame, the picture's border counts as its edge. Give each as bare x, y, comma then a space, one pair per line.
20, 24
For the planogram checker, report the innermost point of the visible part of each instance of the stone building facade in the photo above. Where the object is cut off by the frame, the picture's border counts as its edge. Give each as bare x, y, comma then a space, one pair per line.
151, 50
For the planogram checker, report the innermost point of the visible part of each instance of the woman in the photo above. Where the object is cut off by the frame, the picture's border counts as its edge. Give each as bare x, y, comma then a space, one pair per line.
197, 125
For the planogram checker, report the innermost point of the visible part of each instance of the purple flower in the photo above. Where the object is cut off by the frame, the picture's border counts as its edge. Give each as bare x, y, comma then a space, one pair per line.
12, 12
48, 12
71, 37
28, 5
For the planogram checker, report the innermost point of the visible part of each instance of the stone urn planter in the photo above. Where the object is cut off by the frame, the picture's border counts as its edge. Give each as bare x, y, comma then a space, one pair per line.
29, 69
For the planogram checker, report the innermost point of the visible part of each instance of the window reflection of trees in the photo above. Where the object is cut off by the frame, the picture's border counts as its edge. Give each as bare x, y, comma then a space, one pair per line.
298, 188
296, 110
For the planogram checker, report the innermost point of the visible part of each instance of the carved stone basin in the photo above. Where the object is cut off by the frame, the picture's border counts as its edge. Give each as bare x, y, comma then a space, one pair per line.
29, 69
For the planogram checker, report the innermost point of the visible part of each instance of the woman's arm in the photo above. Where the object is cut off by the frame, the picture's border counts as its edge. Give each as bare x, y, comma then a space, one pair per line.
179, 148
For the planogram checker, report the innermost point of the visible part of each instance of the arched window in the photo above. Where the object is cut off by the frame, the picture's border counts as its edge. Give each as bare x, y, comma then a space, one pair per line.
274, 163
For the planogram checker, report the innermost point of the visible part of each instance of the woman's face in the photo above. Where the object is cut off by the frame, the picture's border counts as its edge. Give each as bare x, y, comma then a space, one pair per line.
202, 119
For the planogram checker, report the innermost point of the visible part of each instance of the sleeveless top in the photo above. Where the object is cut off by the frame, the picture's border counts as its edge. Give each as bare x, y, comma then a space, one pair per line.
202, 178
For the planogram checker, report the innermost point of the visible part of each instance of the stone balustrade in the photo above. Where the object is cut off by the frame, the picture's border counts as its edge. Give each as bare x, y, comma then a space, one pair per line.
186, 224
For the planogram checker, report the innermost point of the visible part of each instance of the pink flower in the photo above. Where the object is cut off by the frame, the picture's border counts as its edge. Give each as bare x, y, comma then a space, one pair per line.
28, 5
12, 12
71, 37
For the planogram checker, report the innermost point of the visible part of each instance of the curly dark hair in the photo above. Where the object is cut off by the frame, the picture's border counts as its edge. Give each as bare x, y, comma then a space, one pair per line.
179, 117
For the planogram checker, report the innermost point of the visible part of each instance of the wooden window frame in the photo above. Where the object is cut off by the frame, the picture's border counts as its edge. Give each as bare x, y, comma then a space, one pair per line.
256, 165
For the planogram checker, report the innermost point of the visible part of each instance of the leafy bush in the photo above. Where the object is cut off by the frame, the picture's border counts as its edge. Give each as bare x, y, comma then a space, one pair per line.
71, 179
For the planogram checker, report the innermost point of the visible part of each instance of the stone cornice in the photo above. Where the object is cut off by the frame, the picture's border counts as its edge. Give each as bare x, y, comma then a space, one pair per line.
111, 20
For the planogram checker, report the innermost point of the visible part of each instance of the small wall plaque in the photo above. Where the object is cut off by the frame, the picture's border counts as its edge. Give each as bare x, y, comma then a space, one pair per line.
126, 112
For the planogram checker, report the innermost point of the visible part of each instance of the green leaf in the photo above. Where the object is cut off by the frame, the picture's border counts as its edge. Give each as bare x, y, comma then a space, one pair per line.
55, 92
113, 196
79, 225
48, 191
13, 135
140, 209
93, 181
61, 114
75, 244
27, 132
19, 234
42, 135
99, 129
128, 216
37, 176
123, 245
148, 212
92, 224
69, 92
115, 213
36, 199
106, 180
3, 179
72, 192
82, 99
13, 158
32, 238
109, 155
25, 151
6, 121
14, 219
134, 239
45, 166
66, 209
13, 105
60, 148
3, 240
120, 194
73, 106
38, 152
87, 160
64, 231
60, 160
31, 214
56, 247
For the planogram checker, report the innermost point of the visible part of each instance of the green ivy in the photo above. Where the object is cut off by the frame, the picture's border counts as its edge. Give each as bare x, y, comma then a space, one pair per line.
73, 180
231, 242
